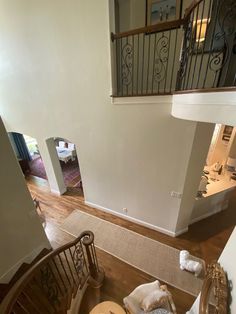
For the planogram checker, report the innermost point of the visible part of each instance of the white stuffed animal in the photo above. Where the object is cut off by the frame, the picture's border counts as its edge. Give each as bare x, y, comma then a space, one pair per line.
190, 265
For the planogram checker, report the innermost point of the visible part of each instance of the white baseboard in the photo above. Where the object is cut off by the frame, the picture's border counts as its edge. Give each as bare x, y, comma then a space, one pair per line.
6, 277
178, 233
59, 192
142, 100
135, 220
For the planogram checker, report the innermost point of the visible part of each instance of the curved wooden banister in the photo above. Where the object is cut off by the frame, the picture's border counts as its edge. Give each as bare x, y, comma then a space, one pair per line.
88, 261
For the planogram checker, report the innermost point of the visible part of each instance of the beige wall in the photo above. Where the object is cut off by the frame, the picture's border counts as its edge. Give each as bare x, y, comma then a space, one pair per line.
61, 78
196, 163
21, 234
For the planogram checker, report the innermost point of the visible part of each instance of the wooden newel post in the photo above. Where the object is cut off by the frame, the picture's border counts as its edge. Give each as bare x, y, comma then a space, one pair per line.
96, 273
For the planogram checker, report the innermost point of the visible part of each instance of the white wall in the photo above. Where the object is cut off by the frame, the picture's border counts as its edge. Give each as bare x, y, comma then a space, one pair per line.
196, 163
55, 56
22, 235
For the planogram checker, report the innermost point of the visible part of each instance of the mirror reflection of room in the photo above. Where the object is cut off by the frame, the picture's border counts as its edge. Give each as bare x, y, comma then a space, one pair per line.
219, 172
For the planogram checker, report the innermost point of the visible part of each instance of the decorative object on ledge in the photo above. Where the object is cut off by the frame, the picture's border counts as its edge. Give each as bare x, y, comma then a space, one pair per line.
215, 284
159, 11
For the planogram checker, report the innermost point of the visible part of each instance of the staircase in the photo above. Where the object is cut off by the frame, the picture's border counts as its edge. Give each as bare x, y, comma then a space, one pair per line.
58, 281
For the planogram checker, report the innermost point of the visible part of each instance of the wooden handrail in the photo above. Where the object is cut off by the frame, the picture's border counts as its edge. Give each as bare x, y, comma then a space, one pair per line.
160, 27
150, 29
86, 238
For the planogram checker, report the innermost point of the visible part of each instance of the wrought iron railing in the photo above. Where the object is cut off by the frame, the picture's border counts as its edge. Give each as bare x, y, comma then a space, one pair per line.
146, 59
51, 284
196, 52
208, 57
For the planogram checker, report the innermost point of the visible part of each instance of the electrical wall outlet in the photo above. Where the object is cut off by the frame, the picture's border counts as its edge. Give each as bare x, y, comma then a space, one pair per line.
176, 194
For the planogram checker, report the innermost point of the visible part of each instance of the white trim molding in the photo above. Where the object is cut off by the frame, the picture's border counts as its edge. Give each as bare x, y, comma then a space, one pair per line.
178, 233
213, 107
142, 100
59, 192
137, 221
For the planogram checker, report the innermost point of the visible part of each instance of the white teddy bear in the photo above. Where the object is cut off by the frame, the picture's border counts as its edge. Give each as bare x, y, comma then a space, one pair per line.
190, 265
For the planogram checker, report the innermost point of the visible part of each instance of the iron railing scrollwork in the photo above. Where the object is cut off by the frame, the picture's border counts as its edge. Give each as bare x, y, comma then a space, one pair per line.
160, 59
127, 52
207, 58
146, 60
51, 284
196, 52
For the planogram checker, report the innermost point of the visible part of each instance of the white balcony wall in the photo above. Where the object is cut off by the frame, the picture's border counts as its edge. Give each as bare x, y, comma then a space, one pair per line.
213, 107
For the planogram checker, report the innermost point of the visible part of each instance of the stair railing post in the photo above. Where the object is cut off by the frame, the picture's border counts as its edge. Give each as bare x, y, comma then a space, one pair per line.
96, 273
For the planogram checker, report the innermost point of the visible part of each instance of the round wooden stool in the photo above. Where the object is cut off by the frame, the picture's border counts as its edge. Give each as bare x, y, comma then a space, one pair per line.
107, 307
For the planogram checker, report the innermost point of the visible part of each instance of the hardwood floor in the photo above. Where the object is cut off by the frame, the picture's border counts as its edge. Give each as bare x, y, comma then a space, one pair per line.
205, 239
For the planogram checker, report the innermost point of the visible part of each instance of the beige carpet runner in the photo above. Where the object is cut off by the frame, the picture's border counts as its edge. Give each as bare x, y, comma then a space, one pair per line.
158, 260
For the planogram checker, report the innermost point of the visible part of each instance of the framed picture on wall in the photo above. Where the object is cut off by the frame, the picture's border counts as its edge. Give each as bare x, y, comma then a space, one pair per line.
227, 133
159, 11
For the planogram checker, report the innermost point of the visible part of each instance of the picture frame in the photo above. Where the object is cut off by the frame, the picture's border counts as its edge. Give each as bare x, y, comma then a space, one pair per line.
228, 129
160, 11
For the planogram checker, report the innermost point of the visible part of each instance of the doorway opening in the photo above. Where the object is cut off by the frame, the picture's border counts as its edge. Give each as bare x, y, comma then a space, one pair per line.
28, 155
218, 179
69, 162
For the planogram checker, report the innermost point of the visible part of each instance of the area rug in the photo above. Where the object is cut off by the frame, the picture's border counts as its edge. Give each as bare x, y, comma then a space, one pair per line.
70, 170
158, 260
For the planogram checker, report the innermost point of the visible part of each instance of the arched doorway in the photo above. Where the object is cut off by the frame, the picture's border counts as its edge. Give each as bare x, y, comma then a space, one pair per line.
69, 162
28, 155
